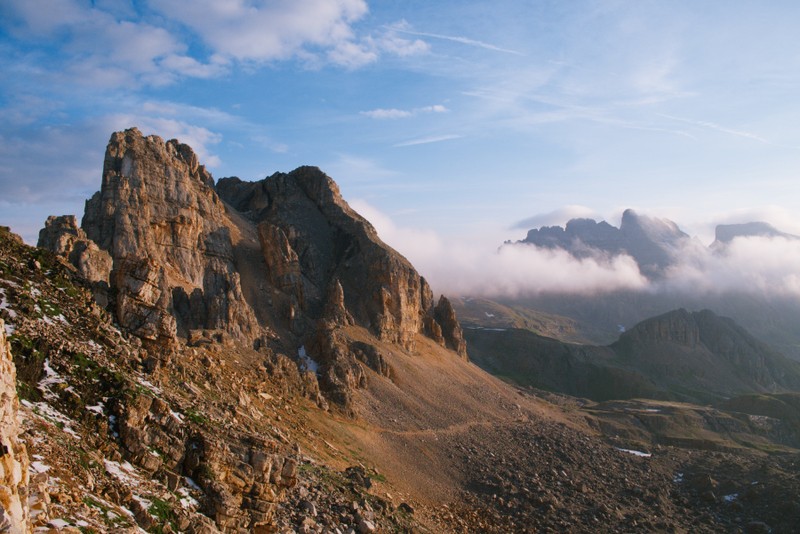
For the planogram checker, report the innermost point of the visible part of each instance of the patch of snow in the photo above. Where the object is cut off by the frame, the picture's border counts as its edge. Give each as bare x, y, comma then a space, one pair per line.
10, 329
97, 409
50, 414
51, 377
620, 329
52, 320
176, 415
192, 484
678, 478
635, 453
730, 498
488, 314
35, 292
40, 467
146, 504
124, 472
652, 410
5, 306
58, 523
307, 360
485, 329
186, 500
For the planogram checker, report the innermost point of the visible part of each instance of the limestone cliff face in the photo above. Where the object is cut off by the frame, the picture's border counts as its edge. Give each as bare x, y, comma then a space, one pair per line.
285, 254
159, 218
14, 515
312, 239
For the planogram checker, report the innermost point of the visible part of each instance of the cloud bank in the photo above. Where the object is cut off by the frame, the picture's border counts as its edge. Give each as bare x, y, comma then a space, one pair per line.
468, 267
767, 266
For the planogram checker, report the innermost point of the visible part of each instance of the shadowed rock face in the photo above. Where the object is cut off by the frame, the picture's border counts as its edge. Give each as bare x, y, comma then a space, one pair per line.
311, 237
182, 254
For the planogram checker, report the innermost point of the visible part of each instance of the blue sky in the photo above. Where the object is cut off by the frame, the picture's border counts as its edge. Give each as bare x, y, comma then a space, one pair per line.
456, 119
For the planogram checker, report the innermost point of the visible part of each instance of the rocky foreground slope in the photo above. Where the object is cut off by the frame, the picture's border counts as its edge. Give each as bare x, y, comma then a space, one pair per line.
341, 401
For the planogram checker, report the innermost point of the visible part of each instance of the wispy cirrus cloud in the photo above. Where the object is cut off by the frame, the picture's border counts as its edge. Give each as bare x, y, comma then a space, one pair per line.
714, 126
427, 140
394, 113
404, 27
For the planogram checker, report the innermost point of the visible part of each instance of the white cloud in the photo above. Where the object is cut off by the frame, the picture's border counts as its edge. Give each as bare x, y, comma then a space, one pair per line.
467, 267
394, 113
263, 31
475, 266
713, 126
404, 27
98, 49
558, 217
390, 113
757, 265
427, 140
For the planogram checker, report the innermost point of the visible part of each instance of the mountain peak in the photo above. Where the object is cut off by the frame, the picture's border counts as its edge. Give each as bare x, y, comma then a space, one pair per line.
650, 241
254, 261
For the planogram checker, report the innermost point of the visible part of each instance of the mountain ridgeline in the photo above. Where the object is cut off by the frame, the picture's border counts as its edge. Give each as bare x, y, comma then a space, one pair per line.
650, 241
688, 356
284, 260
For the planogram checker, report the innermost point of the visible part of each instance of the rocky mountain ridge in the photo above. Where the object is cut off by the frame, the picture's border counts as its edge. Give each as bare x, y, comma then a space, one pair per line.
650, 241
654, 243
281, 259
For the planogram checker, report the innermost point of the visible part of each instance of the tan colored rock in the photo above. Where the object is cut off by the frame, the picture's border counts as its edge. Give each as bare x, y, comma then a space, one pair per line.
62, 236
157, 207
453, 336
283, 265
14, 477
381, 289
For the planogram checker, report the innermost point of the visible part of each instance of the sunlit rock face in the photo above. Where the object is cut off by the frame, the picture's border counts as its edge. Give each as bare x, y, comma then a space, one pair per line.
13, 454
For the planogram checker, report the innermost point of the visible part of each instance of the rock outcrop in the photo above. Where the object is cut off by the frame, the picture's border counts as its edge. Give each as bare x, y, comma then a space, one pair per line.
14, 477
63, 236
311, 237
182, 254
453, 336
158, 217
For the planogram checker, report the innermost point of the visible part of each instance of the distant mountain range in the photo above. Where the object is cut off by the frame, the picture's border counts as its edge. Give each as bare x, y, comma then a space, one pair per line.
654, 243
659, 248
